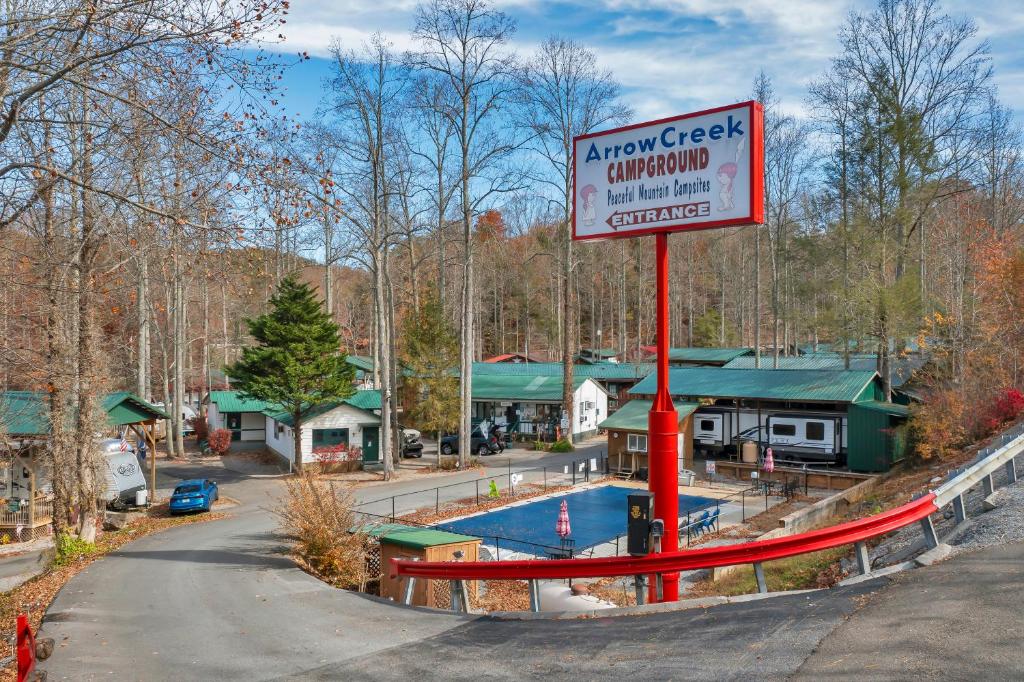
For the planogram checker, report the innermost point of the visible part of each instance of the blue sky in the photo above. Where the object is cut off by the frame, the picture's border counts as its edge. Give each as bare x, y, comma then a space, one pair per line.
670, 56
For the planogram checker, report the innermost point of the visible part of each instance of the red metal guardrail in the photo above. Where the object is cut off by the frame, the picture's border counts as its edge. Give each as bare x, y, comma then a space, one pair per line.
686, 560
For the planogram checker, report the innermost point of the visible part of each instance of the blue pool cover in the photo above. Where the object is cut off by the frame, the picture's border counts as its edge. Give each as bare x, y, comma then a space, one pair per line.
596, 515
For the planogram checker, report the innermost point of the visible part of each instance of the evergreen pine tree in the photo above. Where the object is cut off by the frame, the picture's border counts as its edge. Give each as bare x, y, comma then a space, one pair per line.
431, 351
297, 361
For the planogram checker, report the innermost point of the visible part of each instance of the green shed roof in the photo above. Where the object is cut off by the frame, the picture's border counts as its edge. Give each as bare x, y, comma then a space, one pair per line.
233, 401
602, 370
27, 413
416, 537
766, 384
124, 407
516, 387
633, 415
361, 362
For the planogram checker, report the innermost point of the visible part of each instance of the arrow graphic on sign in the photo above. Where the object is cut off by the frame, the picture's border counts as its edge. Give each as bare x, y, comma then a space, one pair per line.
659, 214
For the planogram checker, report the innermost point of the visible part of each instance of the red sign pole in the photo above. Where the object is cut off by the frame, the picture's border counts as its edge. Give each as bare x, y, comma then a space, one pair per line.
663, 427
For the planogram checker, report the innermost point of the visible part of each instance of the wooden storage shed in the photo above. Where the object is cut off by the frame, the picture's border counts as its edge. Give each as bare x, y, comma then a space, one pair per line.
627, 437
399, 541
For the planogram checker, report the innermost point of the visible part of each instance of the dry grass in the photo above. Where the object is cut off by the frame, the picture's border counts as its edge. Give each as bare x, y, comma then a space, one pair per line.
34, 596
803, 572
318, 516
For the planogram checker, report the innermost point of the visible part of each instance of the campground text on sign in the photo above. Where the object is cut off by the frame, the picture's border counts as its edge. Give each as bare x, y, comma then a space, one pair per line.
690, 172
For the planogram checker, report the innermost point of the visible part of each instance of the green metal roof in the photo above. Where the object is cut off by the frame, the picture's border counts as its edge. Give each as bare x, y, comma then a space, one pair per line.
705, 354
366, 400
517, 387
893, 409
903, 367
27, 413
633, 415
24, 413
361, 362
233, 401
416, 537
766, 384
603, 370
599, 352
124, 407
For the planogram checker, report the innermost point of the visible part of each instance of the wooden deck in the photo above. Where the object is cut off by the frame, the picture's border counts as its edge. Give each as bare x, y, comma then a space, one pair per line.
31, 521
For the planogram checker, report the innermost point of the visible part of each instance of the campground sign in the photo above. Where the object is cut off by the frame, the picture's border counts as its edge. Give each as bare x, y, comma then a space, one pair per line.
691, 172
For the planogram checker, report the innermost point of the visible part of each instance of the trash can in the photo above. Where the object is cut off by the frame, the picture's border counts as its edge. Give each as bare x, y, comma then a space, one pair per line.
141, 497
686, 477
749, 452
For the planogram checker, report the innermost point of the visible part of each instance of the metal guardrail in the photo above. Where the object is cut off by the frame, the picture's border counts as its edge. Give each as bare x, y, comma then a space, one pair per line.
1001, 453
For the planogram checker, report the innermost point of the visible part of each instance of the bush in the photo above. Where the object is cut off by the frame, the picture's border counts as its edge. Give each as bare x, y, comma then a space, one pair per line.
70, 549
200, 427
319, 518
1007, 407
563, 445
220, 441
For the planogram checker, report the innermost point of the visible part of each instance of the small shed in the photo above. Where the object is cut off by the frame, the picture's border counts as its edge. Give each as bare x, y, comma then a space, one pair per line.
628, 437
882, 435
242, 415
398, 541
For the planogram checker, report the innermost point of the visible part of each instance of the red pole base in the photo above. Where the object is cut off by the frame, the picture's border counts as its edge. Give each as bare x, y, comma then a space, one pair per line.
663, 481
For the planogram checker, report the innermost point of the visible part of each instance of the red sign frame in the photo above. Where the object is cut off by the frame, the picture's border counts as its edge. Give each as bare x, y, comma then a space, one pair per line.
756, 213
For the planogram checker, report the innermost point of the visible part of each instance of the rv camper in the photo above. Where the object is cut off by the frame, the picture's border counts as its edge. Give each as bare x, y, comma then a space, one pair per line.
811, 437
124, 473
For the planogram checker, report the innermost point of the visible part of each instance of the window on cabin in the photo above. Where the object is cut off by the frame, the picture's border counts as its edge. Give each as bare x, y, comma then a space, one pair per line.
636, 442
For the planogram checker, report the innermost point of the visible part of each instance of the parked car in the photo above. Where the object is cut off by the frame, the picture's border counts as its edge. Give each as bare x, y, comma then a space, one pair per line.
197, 494
411, 445
479, 443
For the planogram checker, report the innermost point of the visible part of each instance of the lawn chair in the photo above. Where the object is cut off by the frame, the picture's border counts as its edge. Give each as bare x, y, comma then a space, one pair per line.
712, 523
697, 528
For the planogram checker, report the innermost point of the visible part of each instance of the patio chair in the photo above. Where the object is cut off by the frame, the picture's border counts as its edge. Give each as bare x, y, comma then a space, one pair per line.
712, 522
698, 527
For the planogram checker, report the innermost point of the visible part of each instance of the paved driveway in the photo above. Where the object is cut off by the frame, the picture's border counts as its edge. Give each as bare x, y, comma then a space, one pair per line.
220, 601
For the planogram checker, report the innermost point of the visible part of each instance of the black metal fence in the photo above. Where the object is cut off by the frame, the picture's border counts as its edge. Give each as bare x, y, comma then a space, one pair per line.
513, 482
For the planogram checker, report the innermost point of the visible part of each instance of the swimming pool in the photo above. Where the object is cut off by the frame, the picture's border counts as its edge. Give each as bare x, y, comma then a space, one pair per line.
596, 515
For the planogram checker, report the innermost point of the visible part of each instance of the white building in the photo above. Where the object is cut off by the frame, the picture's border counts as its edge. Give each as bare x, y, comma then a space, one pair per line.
532, 405
244, 417
354, 421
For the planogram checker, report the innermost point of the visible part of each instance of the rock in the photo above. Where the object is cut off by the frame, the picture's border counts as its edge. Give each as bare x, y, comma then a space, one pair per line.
44, 647
937, 479
119, 520
989, 503
580, 588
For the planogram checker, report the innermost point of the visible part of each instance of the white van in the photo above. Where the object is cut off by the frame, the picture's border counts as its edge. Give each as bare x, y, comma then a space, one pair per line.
124, 473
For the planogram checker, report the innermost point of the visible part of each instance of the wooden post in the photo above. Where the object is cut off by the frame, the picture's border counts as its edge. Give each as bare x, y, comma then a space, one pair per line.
151, 446
32, 496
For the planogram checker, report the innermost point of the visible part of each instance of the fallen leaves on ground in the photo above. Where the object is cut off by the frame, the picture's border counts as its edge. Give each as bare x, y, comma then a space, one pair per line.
34, 596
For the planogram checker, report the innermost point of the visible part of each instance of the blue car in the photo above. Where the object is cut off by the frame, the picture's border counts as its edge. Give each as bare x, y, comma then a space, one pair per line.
197, 494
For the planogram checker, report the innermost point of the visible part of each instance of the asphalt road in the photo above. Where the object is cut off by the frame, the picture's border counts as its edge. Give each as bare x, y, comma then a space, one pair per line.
220, 601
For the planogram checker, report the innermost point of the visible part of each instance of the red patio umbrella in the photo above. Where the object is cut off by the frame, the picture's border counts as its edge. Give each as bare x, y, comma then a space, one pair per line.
769, 461
562, 527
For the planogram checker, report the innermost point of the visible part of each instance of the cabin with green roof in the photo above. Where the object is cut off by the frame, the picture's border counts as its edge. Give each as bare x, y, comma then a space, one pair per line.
240, 414
353, 422
627, 437
530, 405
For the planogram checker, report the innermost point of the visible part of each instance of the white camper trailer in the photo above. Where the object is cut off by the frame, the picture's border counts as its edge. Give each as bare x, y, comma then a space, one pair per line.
805, 436
124, 473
